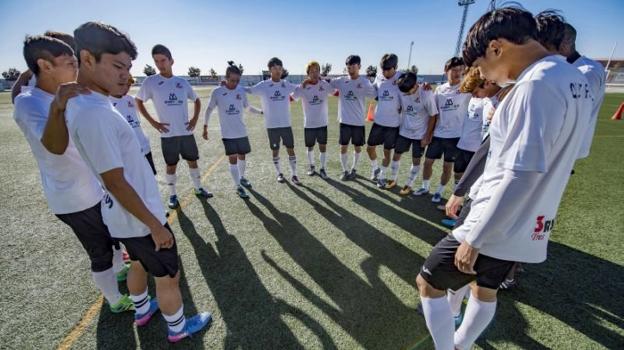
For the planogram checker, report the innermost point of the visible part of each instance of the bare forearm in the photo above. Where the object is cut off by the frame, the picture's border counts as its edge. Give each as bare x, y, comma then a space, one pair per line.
196, 109
431, 125
55, 136
21, 81
144, 112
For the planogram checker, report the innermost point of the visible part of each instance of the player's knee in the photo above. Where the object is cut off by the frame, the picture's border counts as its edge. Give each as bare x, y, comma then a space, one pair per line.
483, 294
101, 261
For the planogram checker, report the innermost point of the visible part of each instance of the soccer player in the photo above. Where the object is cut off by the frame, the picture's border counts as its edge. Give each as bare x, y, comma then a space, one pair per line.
230, 100
169, 94
453, 106
73, 194
313, 93
125, 105
535, 137
132, 209
352, 91
385, 129
418, 115
274, 95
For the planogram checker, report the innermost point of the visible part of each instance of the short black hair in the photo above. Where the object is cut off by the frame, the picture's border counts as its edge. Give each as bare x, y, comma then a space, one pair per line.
511, 23
275, 62
64, 37
569, 34
99, 38
44, 47
232, 69
389, 61
550, 28
452, 63
353, 59
160, 49
407, 81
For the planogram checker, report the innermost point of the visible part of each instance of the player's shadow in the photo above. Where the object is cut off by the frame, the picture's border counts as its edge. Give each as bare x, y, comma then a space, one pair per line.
253, 317
367, 309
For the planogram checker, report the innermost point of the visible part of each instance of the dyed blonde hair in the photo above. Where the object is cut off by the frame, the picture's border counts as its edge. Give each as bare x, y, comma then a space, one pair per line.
471, 80
312, 64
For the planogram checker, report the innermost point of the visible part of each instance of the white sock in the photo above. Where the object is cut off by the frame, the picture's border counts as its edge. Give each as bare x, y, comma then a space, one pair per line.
374, 165
276, 163
426, 184
382, 173
196, 177
235, 174
478, 315
356, 159
323, 158
439, 322
141, 302
118, 263
440, 189
394, 167
171, 183
106, 281
176, 322
455, 299
242, 166
412, 175
310, 158
343, 161
292, 160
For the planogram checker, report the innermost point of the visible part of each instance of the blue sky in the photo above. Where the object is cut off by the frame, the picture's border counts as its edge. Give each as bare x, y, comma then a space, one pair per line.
208, 33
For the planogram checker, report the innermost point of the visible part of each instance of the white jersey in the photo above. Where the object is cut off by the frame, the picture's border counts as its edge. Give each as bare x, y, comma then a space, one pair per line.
275, 99
230, 105
489, 107
417, 109
314, 102
537, 128
170, 97
126, 107
594, 72
453, 106
107, 142
470, 138
352, 95
68, 184
387, 112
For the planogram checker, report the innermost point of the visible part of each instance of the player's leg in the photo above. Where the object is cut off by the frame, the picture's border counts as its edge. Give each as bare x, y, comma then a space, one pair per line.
190, 153
434, 151
309, 137
289, 142
243, 149
171, 153
274, 144
321, 138
450, 150
357, 139
344, 138
375, 138
389, 144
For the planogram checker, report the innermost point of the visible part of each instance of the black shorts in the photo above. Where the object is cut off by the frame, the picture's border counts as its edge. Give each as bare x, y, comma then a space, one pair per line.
440, 272
439, 146
236, 146
315, 135
150, 160
158, 263
462, 160
283, 134
93, 234
385, 135
353, 134
403, 145
179, 146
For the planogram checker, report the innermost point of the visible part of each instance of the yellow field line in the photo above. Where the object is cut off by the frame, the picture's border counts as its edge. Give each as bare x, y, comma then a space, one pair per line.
78, 330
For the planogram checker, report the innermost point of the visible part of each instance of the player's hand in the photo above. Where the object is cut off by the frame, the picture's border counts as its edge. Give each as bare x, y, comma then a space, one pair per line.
426, 140
305, 83
427, 86
66, 91
453, 205
163, 239
205, 133
190, 125
161, 127
465, 258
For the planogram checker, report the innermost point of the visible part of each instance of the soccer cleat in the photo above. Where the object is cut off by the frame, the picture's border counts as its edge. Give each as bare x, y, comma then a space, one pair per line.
441, 207
241, 192
344, 176
390, 184
124, 304
173, 202
323, 174
142, 320
375, 174
245, 183
352, 174
280, 178
123, 274
449, 222
201, 193
405, 190
509, 284
421, 192
436, 198
381, 183
311, 171
193, 325
295, 180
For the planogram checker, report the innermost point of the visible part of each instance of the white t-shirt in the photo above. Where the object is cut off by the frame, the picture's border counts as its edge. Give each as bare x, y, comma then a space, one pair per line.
353, 93
417, 109
230, 105
387, 112
170, 100
453, 106
125, 106
594, 72
314, 102
275, 99
106, 142
537, 128
68, 184
489, 107
470, 139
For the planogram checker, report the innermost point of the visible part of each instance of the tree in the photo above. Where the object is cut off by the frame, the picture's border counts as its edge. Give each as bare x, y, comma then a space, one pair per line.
149, 70
213, 74
371, 71
11, 74
413, 69
194, 72
325, 69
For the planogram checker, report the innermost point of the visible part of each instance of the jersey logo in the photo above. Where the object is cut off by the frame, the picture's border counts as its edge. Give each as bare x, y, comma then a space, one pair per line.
108, 201
359, 86
283, 84
410, 108
130, 104
232, 110
315, 100
449, 102
350, 96
178, 85
321, 88
542, 227
173, 100
579, 90
238, 96
161, 82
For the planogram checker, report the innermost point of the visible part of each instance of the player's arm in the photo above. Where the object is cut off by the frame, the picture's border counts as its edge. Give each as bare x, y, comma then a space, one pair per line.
250, 108
22, 80
191, 95
432, 109
55, 136
212, 104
